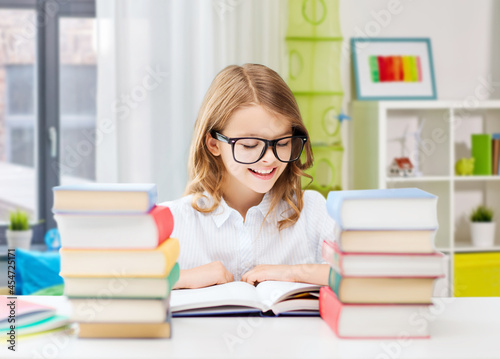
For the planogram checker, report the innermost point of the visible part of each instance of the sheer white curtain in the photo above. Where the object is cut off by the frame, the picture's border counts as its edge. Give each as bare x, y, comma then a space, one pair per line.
156, 60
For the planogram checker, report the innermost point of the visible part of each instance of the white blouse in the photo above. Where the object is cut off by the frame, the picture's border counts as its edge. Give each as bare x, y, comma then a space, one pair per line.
223, 236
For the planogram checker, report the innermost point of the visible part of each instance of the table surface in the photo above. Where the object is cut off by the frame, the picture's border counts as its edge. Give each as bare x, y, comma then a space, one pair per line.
460, 328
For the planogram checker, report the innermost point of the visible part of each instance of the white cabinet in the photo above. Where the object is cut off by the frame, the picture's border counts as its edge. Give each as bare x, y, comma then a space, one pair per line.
384, 130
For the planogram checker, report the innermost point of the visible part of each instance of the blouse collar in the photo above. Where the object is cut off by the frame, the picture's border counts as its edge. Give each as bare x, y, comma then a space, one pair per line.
223, 211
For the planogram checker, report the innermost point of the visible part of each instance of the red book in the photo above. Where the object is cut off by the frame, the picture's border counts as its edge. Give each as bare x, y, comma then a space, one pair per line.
120, 231
382, 69
394, 265
373, 321
389, 68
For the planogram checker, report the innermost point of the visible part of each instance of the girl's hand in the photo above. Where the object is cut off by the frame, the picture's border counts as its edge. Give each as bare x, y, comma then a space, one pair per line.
204, 276
306, 273
264, 272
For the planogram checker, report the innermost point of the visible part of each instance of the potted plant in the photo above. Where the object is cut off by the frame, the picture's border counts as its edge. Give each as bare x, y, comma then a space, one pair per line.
482, 227
19, 233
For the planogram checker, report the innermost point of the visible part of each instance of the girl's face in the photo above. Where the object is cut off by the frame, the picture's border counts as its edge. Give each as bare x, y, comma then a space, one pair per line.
259, 177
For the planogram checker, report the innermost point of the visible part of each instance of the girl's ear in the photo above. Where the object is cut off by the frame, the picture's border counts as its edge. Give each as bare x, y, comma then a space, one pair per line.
212, 145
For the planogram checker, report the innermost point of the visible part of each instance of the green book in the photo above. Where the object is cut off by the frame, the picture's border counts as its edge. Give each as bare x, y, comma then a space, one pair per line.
481, 151
121, 287
413, 69
374, 69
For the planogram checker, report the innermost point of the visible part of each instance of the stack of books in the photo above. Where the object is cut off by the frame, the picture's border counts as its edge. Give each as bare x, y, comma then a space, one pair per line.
118, 261
383, 263
20, 317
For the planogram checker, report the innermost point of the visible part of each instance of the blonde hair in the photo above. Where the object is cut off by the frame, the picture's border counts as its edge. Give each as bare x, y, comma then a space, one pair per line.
235, 87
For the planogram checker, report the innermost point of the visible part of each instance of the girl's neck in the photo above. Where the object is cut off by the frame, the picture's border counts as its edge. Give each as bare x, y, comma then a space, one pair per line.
241, 199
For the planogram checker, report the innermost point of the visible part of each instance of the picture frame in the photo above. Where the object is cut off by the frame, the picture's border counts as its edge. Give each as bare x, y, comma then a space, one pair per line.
393, 69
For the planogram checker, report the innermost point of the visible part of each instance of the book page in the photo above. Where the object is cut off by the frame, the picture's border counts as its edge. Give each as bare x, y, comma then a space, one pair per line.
233, 293
272, 292
305, 306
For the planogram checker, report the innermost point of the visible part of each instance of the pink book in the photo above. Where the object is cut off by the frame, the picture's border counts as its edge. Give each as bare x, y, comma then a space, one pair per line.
383, 264
373, 321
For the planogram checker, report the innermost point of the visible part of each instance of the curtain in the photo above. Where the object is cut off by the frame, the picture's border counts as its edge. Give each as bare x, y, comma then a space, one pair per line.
156, 60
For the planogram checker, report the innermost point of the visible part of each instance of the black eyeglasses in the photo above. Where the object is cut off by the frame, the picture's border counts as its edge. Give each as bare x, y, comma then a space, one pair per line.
248, 150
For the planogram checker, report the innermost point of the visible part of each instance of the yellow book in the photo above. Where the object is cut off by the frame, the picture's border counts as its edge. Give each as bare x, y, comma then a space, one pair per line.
120, 262
407, 77
125, 330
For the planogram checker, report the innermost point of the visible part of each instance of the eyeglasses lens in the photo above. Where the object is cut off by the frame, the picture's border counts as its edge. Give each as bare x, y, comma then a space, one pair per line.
251, 150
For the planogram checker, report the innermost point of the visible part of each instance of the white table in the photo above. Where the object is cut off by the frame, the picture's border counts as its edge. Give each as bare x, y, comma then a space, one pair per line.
460, 328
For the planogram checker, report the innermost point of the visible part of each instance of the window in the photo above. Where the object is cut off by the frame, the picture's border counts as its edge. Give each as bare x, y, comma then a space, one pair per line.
48, 80
18, 187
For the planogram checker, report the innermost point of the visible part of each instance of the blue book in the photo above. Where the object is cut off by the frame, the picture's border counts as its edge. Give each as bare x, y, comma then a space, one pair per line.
114, 198
383, 209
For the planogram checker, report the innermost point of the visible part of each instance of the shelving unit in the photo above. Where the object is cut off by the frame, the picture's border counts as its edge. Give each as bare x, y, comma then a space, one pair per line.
314, 44
384, 130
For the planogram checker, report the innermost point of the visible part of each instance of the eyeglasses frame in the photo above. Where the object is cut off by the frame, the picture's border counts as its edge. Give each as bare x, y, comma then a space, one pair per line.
268, 143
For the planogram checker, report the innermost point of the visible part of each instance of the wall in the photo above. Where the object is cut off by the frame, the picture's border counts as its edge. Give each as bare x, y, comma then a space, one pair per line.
463, 34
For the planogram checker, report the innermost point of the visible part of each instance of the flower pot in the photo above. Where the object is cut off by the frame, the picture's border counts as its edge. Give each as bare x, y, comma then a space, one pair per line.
19, 239
482, 234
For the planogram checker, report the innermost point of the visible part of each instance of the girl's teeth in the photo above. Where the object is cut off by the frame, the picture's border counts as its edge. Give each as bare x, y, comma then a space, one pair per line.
262, 172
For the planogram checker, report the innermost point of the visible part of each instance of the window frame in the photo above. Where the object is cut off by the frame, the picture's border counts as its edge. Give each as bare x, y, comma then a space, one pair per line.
48, 13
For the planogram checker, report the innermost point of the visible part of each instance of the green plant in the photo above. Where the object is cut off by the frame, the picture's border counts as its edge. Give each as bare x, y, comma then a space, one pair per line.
19, 221
481, 214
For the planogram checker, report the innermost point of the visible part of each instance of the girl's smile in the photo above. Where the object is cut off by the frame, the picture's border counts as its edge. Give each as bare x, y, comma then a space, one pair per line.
263, 174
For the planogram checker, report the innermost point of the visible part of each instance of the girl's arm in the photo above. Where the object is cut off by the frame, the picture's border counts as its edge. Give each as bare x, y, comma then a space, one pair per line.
204, 276
305, 273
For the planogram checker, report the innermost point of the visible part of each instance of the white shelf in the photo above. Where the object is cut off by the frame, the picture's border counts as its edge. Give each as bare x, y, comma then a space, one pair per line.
382, 131
419, 179
430, 105
461, 247
475, 178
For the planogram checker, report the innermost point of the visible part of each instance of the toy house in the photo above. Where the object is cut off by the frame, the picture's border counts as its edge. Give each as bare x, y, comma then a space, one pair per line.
401, 167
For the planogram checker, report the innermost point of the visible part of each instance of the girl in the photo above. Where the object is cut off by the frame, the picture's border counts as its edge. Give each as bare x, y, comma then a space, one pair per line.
244, 216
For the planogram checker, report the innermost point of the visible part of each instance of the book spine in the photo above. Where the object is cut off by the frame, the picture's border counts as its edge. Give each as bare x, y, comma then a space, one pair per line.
329, 308
495, 156
334, 280
334, 207
173, 277
170, 250
481, 151
330, 254
153, 197
164, 221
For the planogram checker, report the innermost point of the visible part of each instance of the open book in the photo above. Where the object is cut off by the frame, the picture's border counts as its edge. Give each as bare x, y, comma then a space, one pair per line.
240, 297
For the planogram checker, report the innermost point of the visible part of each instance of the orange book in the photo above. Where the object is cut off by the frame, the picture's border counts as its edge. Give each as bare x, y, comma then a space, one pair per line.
397, 62
495, 156
380, 241
120, 262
